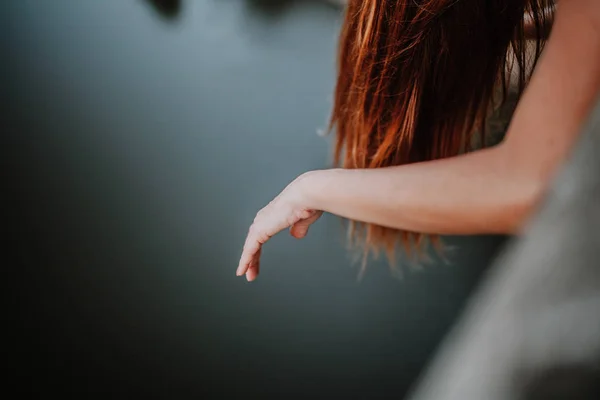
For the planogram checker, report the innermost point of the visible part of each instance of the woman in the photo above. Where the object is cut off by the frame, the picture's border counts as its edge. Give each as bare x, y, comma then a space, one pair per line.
416, 79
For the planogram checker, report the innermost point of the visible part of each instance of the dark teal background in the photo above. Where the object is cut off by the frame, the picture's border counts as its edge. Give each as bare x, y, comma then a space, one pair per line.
137, 148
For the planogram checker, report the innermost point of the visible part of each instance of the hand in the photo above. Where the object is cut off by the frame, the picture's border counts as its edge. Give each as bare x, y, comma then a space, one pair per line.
289, 209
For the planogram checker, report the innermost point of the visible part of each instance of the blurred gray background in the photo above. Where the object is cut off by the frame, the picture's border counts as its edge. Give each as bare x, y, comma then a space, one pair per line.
139, 138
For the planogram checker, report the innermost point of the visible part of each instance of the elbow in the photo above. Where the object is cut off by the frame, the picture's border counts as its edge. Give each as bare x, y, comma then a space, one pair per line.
521, 187
528, 194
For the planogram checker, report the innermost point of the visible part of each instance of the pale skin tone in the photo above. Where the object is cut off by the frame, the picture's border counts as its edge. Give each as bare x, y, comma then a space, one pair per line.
493, 190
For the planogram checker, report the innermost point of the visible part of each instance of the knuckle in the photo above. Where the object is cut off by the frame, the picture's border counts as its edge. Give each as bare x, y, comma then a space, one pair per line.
291, 220
304, 214
259, 215
253, 229
263, 237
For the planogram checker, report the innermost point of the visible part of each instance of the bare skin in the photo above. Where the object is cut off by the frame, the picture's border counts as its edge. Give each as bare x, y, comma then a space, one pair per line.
493, 190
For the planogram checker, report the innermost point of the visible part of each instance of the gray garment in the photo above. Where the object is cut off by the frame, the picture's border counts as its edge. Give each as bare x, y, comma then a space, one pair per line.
533, 330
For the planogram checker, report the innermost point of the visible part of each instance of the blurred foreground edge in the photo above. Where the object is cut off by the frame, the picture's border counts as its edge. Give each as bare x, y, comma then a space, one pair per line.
532, 331
168, 9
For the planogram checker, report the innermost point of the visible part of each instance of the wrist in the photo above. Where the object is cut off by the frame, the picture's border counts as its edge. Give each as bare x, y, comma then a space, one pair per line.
314, 188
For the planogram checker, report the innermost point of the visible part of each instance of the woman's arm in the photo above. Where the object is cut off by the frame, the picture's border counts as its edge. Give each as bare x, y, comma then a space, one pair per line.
472, 193
491, 190
488, 191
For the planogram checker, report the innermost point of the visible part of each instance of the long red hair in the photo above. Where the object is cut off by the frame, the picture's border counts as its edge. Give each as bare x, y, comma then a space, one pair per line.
417, 78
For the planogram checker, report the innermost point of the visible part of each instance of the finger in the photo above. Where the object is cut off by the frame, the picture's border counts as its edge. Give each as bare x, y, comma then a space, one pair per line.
300, 228
259, 233
254, 269
251, 248
252, 273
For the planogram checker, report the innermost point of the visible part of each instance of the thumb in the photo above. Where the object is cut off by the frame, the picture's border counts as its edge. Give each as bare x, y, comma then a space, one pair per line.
300, 228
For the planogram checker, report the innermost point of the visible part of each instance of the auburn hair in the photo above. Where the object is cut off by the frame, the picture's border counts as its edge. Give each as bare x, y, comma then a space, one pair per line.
417, 80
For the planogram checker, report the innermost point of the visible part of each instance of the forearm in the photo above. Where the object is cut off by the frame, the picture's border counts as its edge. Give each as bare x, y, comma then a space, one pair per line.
468, 194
